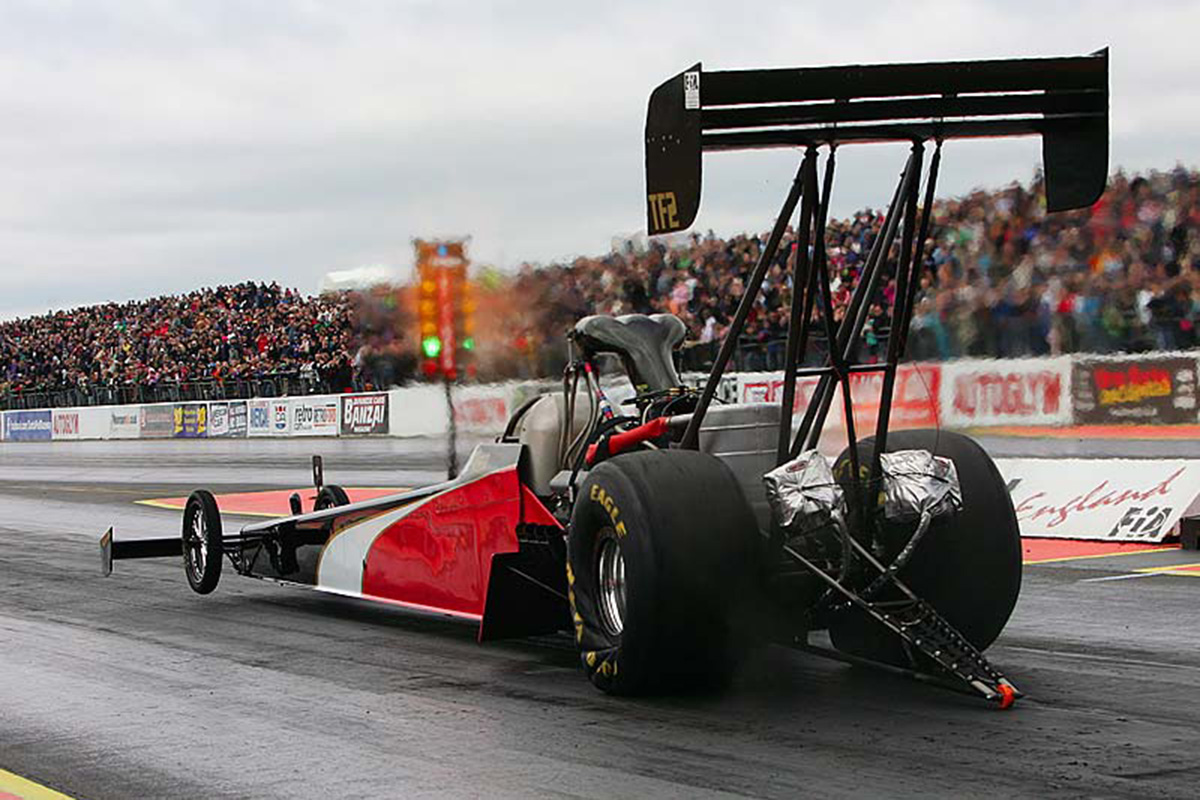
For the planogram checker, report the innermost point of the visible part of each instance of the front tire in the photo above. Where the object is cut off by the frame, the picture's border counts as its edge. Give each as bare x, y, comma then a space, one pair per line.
331, 496
968, 566
661, 559
203, 545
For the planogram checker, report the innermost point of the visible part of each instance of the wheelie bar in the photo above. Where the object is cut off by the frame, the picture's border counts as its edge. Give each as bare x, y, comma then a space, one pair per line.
923, 630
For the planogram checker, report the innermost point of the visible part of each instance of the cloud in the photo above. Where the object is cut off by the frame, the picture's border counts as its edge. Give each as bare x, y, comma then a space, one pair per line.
155, 146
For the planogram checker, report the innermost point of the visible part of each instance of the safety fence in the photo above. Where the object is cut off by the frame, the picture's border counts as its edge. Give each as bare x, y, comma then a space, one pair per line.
275, 384
765, 352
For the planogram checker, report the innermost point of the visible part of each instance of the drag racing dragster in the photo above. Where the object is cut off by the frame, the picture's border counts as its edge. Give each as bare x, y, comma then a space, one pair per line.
669, 533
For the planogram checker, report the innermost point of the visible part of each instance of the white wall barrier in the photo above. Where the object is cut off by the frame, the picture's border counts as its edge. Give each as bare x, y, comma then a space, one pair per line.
1109, 499
970, 393
417, 411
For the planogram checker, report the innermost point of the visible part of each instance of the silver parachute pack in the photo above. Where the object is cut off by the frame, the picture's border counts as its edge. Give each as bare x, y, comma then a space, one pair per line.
804, 495
917, 485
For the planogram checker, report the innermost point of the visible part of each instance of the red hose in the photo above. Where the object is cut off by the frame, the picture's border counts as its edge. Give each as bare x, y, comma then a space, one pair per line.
620, 442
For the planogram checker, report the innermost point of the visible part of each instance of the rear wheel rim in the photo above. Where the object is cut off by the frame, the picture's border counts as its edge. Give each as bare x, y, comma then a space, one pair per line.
610, 575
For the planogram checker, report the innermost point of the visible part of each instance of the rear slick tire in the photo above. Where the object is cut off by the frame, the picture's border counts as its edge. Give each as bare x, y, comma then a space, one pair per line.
968, 565
661, 563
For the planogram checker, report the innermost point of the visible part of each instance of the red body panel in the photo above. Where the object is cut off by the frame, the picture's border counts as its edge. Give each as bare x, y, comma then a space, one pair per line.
533, 512
440, 555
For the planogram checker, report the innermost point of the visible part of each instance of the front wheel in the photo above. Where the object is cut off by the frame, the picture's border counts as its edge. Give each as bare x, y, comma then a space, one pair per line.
660, 565
203, 547
331, 496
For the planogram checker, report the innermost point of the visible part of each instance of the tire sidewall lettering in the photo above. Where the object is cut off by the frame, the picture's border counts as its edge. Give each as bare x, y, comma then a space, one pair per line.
603, 497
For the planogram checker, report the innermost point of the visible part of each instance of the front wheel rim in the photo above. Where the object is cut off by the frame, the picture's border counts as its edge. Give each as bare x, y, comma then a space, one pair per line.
610, 569
198, 544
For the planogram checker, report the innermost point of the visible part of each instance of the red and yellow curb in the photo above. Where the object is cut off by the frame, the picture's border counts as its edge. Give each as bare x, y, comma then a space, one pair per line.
1186, 570
273, 503
1049, 551
1184, 432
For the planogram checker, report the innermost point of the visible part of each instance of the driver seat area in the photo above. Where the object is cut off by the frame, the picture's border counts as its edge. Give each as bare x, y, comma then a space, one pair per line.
644, 344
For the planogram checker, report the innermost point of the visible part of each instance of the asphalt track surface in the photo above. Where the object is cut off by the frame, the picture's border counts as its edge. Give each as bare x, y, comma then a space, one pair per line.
132, 686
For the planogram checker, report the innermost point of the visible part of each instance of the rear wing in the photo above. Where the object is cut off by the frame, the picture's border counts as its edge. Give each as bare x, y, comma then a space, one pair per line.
1063, 100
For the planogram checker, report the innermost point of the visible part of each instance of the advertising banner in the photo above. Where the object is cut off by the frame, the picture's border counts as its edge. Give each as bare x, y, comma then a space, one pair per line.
914, 400
268, 417
190, 421
1139, 388
281, 421
227, 419
1006, 392
1111, 499
481, 413
218, 420
65, 424
123, 422
27, 426
259, 417
482, 408
314, 416
237, 419
157, 421
364, 414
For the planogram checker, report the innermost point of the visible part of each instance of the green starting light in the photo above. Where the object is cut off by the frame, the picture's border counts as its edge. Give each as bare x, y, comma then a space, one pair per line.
432, 346
469, 343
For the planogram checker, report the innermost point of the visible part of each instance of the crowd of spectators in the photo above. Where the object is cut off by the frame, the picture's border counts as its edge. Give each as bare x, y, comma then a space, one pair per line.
999, 278
221, 335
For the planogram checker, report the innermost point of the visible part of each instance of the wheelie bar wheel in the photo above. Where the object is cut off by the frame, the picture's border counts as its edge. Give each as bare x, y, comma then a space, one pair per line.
203, 547
1008, 696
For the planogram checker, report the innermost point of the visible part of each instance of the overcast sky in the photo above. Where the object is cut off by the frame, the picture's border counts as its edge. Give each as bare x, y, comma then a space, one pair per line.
150, 146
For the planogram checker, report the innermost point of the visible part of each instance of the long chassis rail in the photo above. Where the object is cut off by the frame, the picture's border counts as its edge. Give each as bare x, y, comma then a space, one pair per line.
234, 545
